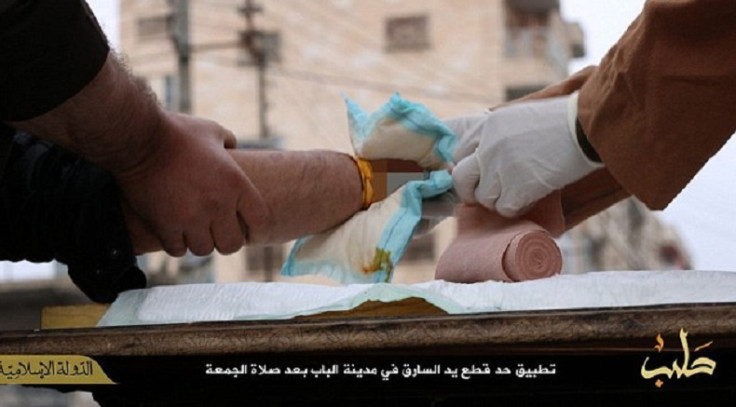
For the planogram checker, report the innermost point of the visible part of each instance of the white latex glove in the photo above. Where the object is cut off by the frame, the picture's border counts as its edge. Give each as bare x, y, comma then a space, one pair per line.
514, 156
468, 130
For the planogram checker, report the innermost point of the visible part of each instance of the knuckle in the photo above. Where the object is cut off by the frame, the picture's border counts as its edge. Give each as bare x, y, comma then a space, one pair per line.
212, 204
201, 248
172, 243
174, 249
234, 178
230, 247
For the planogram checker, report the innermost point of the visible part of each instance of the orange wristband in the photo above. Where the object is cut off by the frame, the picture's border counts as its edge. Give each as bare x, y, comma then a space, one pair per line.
366, 179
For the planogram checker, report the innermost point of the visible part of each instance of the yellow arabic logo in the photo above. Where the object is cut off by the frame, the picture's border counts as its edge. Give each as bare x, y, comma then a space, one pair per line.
51, 369
699, 365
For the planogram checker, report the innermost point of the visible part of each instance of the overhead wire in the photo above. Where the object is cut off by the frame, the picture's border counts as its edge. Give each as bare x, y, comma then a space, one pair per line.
326, 129
309, 38
365, 38
302, 74
223, 4
329, 136
328, 79
384, 87
426, 63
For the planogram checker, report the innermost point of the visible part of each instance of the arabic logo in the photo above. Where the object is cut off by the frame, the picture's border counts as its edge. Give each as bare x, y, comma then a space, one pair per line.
700, 365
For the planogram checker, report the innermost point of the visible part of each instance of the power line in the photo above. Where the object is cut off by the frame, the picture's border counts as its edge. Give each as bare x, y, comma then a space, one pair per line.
335, 80
138, 60
328, 79
303, 37
413, 61
221, 4
329, 137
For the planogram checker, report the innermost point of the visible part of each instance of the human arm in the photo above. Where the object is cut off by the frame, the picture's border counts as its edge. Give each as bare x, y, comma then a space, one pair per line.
306, 192
518, 154
173, 169
55, 205
581, 199
663, 100
660, 104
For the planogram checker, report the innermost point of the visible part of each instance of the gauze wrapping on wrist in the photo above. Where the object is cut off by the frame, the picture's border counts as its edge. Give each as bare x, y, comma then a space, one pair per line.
366, 248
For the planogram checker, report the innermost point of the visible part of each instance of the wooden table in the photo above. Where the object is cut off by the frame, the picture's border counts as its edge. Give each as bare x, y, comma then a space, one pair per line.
597, 355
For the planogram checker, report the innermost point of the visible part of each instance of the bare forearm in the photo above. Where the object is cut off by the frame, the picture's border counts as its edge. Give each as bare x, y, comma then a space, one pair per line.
172, 169
112, 121
307, 192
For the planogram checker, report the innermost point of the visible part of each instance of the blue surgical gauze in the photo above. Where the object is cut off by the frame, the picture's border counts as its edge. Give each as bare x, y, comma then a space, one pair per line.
367, 247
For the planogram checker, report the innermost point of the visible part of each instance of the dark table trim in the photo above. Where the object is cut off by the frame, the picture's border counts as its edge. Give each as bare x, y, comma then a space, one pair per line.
604, 330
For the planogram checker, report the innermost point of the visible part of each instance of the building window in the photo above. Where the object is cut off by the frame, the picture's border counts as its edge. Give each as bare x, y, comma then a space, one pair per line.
577, 39
407, 33
154, 27
527, 31
534, 5
420, 249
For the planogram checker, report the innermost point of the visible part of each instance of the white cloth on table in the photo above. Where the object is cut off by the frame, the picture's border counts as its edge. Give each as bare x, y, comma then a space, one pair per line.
267, 301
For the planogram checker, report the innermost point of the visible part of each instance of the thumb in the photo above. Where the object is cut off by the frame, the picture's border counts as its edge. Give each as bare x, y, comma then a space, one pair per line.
467, 129
254, 214
466, 176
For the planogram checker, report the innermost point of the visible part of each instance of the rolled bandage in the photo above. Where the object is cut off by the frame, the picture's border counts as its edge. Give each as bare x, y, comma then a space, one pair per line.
491, 247
366, 180
531, 254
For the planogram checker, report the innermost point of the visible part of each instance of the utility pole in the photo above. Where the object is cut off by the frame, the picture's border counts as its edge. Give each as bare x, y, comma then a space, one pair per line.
182, 46
252, 40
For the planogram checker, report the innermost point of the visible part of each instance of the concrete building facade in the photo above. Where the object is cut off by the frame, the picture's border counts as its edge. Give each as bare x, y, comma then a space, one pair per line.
455, 57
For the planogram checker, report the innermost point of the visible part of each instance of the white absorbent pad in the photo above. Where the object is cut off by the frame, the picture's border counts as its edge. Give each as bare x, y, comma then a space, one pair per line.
262, 301
367, 247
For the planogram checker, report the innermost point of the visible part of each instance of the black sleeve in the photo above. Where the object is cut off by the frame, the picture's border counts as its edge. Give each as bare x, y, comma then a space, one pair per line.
49, 50
6, 141
56, 206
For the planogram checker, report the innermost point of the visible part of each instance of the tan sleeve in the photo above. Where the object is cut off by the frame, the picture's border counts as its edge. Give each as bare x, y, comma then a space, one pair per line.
663, 100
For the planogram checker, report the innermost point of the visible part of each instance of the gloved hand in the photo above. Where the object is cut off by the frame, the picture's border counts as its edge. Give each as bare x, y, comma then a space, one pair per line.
512, 157
468, 130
